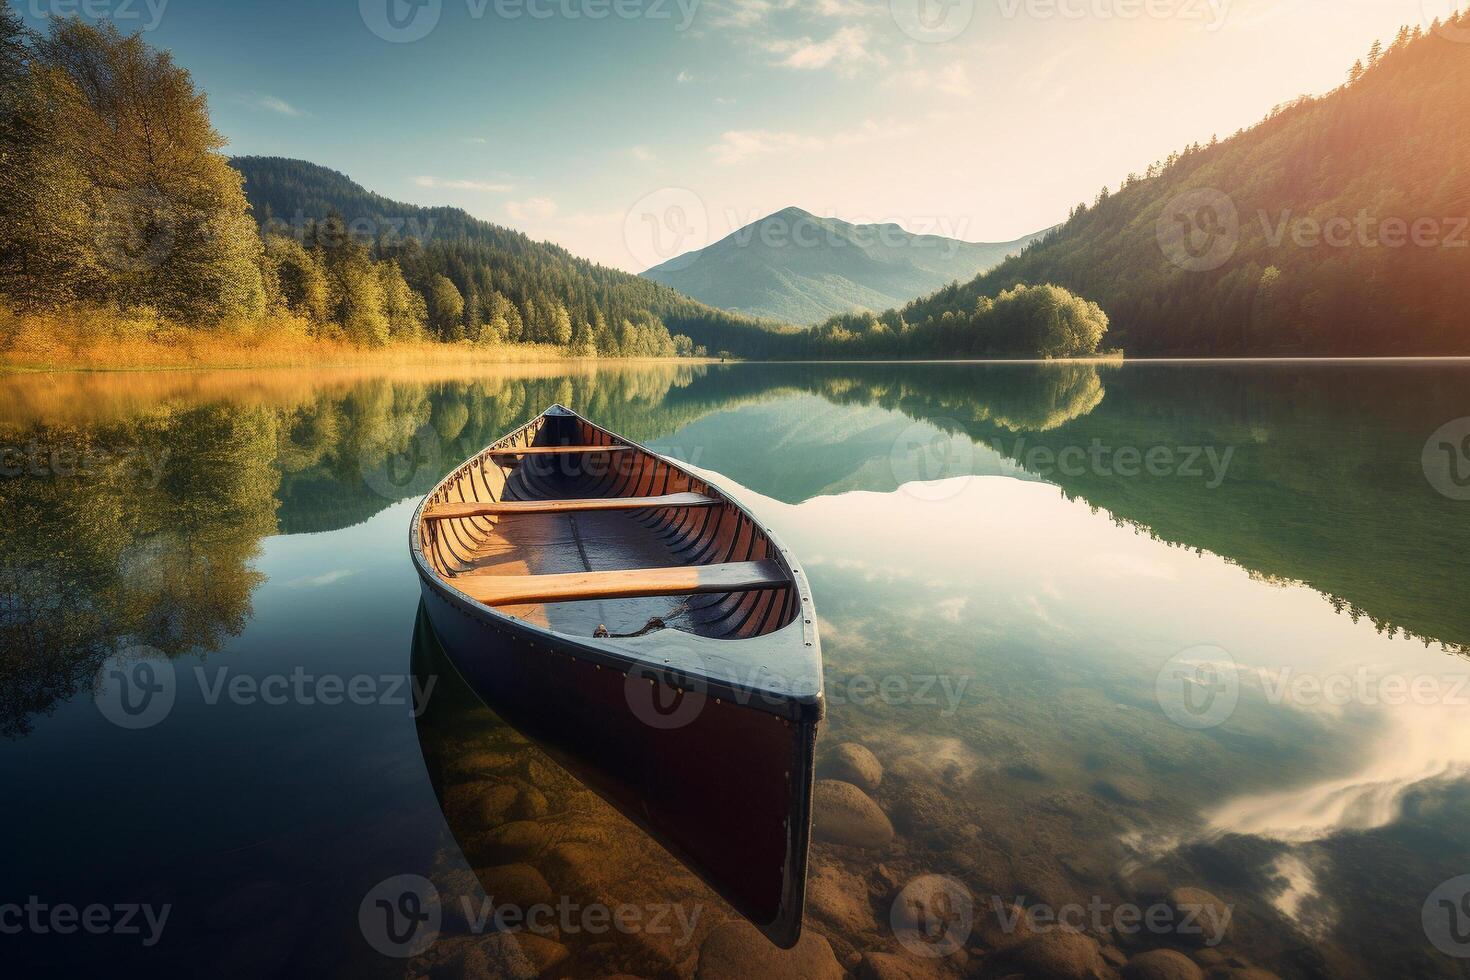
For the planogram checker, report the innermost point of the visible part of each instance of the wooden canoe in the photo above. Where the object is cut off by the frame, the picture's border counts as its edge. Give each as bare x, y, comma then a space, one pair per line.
650, 633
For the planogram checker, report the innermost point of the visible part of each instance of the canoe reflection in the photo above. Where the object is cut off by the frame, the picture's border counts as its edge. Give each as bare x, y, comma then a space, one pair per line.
552, 806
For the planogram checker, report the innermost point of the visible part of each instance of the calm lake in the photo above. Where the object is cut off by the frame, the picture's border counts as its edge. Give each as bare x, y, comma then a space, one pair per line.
1110, 631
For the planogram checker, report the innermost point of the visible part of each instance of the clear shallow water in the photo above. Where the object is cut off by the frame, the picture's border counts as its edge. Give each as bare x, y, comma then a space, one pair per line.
1110, 632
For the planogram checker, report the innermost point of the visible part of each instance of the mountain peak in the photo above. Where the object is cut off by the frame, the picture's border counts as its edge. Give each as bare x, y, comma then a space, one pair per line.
795, 266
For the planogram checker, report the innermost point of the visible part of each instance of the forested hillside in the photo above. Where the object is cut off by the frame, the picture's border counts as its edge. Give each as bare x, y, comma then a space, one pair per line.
122, 222
1338, 225
508, 285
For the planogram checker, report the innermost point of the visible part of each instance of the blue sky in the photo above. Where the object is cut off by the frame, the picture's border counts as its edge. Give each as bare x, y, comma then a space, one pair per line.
629, 130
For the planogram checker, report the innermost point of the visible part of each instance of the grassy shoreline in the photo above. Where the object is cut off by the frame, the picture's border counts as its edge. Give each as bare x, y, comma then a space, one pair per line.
88, 341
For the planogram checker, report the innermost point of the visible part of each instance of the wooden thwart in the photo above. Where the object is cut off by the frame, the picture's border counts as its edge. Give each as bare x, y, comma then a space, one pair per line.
475, 508
741, 576
555, 450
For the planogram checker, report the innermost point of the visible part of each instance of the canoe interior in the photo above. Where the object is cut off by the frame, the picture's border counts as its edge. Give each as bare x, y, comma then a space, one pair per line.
688, 531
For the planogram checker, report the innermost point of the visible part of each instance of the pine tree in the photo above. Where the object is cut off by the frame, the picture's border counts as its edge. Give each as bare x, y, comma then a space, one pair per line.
560, 323
446, 309
300, 278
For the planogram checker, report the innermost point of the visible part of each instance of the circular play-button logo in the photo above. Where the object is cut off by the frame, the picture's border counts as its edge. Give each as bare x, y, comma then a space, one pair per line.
136, 688
401, 916
401, 21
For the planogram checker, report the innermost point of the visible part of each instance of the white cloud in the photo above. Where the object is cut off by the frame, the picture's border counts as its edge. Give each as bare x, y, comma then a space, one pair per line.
740, 13
323, 580
751, 13
951, 80
739, 145
269, 103
722, 100
477, 140
643, 154
531, 209
483, 186
684, 77
848, 48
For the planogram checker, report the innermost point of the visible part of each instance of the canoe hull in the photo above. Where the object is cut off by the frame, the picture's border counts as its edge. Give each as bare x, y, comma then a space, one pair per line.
725, 787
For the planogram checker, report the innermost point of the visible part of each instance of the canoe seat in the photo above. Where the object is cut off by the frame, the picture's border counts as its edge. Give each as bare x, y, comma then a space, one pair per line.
740, 576
446, 512
555, 450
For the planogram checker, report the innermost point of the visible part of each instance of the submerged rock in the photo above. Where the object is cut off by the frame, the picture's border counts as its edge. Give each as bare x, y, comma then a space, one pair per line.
511, 842
530, 804
844, 814
735, 950
1162, 964
475, 763
852, 763
841, 898
503, 956
1201, 918
516, 884
1002, 926
935, 911
459, 895
1062, 955
895, 966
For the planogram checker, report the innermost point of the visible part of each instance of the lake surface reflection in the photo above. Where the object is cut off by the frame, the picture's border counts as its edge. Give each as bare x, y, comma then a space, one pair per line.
1176, 652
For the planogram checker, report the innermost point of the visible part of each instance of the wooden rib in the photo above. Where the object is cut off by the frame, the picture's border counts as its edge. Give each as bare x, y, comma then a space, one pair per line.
503, 590
453, 511
554, 450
